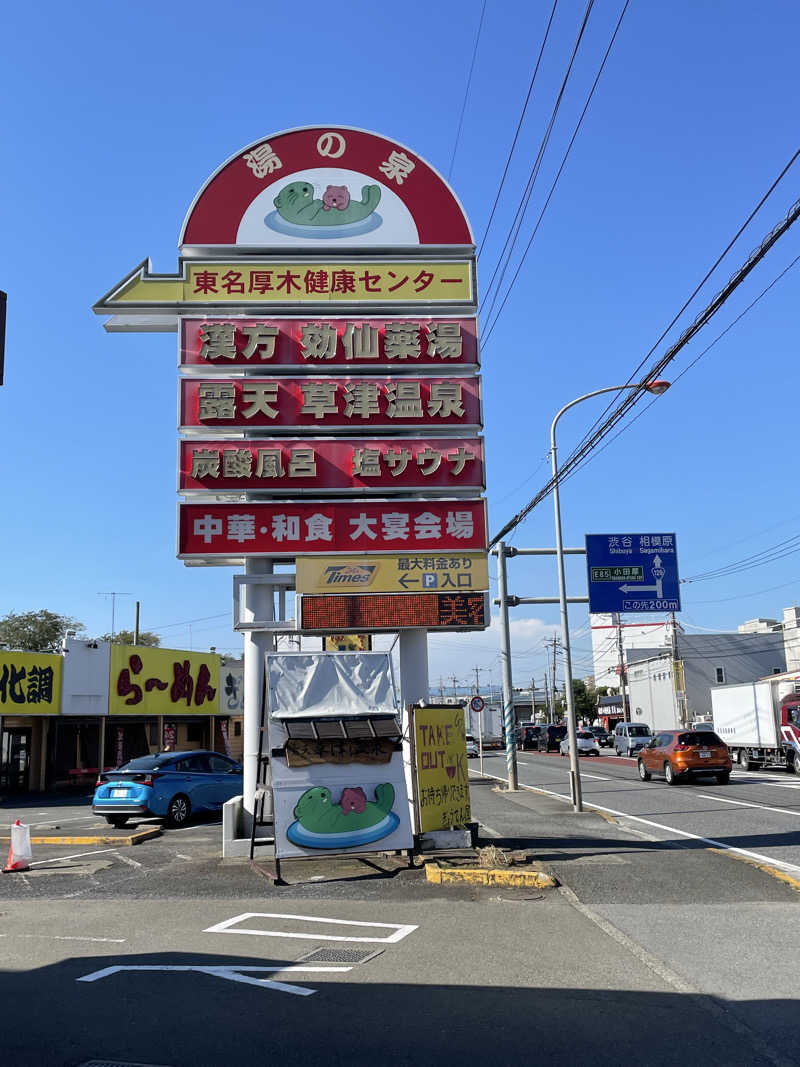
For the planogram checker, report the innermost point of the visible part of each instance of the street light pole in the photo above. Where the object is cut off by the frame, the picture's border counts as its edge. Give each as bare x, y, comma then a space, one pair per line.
656, 387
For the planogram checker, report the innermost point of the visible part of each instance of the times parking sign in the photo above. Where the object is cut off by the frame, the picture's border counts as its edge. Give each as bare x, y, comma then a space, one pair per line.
632, 572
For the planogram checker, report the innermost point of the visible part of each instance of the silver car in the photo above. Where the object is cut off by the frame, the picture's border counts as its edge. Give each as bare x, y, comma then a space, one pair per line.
586, 744
472, 747
629, 737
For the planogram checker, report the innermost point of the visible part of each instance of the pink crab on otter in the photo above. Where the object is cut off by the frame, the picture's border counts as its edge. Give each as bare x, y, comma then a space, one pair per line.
337, 196
353, 799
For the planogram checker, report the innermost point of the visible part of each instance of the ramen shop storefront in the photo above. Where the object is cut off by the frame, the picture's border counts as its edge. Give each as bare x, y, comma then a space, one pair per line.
161, 698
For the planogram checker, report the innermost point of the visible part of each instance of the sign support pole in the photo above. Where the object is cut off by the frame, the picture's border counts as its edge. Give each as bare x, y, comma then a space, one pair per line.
258, 604
413, 666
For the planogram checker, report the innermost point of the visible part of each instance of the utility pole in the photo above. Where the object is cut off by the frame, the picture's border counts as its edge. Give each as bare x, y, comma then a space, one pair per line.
623, 688
677, 673
441, 688
533, 700
454, 680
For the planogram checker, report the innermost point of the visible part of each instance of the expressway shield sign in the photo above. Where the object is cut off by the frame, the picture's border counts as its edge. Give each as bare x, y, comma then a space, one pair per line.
632, 572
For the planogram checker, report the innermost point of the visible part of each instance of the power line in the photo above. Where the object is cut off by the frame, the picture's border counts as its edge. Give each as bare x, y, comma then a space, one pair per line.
700, 355
466, 91
564, 159
522, 207
574, 459
519, 127
699, 286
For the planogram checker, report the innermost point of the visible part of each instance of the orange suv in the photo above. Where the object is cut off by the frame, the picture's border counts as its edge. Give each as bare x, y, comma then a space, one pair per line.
680, 754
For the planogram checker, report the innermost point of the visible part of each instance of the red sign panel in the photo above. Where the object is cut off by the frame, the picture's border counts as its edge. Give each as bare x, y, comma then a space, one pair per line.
395, 611
331, 527
320, 404
312, 170
440, 464
329, 344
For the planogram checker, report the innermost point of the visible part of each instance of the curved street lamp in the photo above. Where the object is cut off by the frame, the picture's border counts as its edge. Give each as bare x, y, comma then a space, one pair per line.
657, 388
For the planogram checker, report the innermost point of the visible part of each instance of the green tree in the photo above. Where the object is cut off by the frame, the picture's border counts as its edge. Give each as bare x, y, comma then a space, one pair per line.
36, 631
125, 637
583, 697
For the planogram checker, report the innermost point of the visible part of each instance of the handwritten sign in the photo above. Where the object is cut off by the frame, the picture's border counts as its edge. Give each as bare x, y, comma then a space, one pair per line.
441, 766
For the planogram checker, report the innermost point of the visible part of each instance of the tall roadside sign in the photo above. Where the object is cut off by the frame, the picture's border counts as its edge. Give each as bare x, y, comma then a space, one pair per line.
632, 572
329, 400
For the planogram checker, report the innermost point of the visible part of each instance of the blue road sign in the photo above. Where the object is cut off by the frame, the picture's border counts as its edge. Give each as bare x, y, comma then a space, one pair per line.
632, 572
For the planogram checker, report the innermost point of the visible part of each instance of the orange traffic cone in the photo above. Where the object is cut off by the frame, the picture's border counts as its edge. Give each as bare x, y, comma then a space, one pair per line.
19, 852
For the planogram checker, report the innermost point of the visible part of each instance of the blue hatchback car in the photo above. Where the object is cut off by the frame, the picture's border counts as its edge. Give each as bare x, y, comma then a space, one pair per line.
168, 785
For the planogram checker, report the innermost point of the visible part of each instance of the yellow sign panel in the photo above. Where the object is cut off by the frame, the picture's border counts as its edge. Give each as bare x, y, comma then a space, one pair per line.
30, 683
441, 765
297, 282
437, 573
347, 643
162, 681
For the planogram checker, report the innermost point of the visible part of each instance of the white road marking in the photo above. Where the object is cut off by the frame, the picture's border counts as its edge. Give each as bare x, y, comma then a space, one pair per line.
599, 777
75, 856
231, 973
747, 804
64, 937
759, 857
128, 860
227, 927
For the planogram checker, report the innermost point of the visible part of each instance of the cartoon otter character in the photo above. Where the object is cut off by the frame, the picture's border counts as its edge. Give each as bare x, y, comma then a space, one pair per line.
337, 196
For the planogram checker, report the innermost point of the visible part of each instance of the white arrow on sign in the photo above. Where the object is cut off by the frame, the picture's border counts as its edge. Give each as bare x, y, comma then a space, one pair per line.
231, 973
658, 574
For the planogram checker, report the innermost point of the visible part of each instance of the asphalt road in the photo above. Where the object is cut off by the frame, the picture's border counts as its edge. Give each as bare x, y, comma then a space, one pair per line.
162, 954
757, 813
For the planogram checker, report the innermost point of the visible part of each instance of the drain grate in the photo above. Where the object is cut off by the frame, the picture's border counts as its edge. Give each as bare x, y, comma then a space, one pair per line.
339, 955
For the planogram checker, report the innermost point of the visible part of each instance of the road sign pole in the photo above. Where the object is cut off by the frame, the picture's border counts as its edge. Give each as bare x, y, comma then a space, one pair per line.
569, 697
505, 659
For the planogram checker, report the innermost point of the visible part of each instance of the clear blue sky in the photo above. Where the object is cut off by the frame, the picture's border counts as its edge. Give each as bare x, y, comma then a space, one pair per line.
112, 118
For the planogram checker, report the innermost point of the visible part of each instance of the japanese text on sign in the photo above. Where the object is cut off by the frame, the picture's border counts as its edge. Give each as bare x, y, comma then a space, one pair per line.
394, 611
298, 529
253, 342
283, 283
385, 574
316, 404
276, 466
156, 681
30, 683
441, 768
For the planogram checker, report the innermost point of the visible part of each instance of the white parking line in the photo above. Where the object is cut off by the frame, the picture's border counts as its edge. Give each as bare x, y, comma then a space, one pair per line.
227, 926
64, 937
231, 973
747, 804
75, 856
768, 860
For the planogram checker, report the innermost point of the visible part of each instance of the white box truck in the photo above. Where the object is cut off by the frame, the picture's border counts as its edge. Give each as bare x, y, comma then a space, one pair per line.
760, 722
488, 723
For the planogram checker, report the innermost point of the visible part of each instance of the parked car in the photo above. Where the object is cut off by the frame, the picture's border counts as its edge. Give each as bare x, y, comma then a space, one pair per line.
585, 742
604, 738
168, 785
629, 737
550, 738
472, 747
681, 754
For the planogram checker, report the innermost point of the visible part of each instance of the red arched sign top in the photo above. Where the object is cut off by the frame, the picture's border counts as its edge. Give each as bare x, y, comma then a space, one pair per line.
326, 186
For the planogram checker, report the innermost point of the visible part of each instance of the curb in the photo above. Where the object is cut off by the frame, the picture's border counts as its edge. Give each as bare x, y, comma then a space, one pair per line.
488, 876
97, 839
